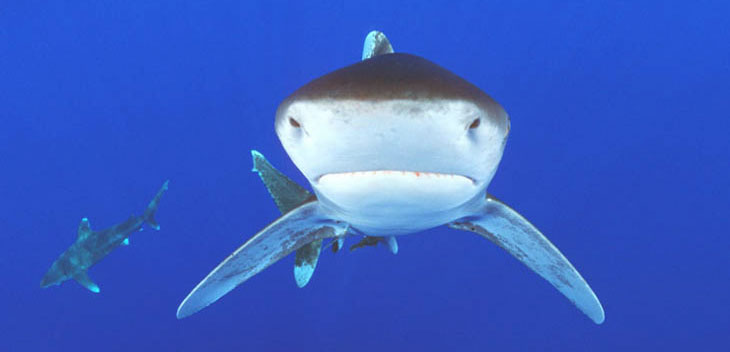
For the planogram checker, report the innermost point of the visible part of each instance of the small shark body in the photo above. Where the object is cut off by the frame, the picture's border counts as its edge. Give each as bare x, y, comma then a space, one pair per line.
93, 246
392, 145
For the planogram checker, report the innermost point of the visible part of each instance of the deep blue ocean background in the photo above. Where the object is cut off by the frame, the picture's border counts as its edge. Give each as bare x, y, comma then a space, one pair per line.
618, 152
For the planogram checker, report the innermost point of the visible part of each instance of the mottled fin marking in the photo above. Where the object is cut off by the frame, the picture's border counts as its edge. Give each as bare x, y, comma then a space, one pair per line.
83, 279
149, 213
288, 195
371, 241
376, 43
84, 229
505, 227
288, 233
305, 260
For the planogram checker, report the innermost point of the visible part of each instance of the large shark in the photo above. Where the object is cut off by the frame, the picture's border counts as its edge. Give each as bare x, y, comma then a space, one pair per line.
93, 246
391, 145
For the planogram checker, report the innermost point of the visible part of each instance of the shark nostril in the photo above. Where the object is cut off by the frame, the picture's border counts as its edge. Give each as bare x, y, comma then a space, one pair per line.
294, 123
475, 123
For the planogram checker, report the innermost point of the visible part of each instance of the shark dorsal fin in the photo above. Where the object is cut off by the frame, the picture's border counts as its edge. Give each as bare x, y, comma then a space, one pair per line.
84, 229
376, 43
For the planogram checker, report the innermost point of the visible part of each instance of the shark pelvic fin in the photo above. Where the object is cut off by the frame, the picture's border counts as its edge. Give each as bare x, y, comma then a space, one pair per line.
505, 227
83, 279
376, 43
293, 230
338, 243
392, 244
288, 195
149, 213
84, 229
305, 260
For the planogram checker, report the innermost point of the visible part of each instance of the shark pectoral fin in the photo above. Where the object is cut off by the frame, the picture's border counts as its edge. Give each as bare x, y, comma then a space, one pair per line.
288, 195
125, 242
84, 229
509, 230
288, 233
392, 244
83, 279
376, 43
305, 260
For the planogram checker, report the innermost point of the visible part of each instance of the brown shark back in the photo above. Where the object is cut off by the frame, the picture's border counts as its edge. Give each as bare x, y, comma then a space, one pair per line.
393, 77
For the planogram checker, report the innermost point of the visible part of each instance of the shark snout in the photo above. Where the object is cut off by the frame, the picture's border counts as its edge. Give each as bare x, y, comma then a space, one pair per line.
54, 276
47, 280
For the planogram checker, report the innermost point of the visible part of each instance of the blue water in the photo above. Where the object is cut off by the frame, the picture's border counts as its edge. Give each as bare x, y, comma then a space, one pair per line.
618, 152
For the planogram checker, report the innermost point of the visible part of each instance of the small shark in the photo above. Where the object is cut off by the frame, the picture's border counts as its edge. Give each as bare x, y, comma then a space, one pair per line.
93, 246
392, 145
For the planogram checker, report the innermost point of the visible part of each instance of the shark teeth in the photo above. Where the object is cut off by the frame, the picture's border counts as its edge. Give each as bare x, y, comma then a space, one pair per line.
375, 173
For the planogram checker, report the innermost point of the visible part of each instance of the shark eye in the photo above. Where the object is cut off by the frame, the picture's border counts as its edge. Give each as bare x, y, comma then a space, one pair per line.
294, 122
475, 123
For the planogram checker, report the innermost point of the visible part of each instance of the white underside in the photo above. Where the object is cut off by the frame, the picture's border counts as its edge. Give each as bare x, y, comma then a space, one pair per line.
394, 202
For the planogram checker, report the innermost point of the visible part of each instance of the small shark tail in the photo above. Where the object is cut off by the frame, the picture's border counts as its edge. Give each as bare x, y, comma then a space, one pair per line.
149, 213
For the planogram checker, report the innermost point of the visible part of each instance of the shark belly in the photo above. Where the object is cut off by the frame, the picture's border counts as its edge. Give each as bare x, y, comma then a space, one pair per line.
387, 203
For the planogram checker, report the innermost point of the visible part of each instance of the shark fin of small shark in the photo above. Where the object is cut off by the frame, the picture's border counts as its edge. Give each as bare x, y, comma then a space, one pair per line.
287, 195
376, 43
125, 242
506, 228
83, 279
149, 213
304, 224
84, 229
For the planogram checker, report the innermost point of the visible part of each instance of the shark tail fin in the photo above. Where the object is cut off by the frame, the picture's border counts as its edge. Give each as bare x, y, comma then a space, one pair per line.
149, 214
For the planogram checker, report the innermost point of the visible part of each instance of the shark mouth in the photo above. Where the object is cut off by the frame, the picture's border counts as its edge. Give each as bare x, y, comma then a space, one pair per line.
406, 175
394, 201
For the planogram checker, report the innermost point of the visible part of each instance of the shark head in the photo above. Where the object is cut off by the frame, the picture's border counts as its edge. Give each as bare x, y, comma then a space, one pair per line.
55, 275
395, 135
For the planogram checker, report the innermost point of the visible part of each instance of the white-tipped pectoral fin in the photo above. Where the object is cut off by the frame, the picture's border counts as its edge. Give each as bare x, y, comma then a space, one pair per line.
83, 279
294, 229
508, 229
